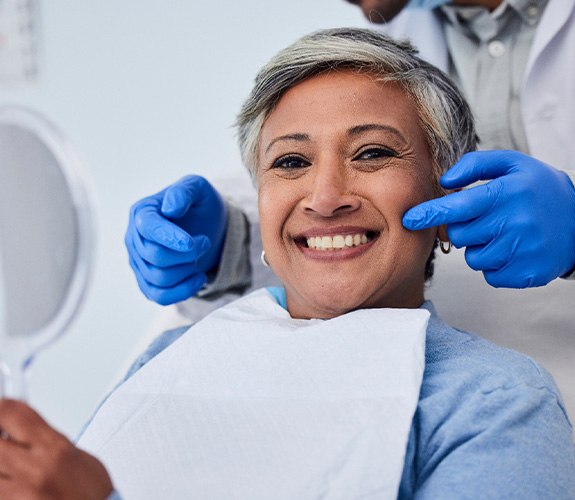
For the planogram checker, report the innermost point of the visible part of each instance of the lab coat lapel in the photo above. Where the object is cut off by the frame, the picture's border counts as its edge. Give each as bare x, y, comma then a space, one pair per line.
555, 17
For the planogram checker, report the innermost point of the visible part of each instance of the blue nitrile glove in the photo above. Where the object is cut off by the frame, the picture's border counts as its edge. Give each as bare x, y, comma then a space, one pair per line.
519, 228
175, 237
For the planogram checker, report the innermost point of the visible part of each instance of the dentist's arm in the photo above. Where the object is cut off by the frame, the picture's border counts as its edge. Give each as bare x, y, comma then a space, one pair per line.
518, 229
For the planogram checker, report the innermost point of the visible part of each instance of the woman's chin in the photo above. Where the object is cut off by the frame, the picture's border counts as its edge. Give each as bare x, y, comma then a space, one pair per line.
327, 304
332, 298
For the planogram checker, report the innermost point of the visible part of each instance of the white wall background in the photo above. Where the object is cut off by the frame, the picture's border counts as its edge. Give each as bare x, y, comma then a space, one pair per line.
147, 92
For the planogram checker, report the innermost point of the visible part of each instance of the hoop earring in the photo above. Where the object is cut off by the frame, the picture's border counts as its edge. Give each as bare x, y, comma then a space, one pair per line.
444, 249
263, 259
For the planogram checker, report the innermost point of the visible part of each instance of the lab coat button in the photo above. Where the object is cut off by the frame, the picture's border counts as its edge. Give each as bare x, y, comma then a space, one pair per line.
496, 48
532, 11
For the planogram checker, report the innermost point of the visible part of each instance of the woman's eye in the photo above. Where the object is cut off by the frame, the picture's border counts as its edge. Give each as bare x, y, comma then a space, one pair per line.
290, 163
375, 153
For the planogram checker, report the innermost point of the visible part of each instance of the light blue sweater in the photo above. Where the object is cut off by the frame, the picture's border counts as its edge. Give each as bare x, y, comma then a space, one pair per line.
490, 423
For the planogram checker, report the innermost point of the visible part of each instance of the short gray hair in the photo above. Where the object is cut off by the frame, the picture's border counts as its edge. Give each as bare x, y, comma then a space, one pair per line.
443, 112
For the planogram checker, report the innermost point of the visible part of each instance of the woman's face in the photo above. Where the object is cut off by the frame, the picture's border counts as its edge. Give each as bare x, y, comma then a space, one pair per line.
341, 158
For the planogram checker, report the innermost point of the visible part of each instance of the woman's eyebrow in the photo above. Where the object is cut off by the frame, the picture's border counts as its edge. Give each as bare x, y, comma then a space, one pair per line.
360, 129
289, 137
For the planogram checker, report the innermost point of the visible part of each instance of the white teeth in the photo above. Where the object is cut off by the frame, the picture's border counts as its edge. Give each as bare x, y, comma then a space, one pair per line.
326, 242
336, 242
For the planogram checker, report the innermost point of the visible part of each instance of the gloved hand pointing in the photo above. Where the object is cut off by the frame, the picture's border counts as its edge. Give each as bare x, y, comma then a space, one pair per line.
175, 237
519, 228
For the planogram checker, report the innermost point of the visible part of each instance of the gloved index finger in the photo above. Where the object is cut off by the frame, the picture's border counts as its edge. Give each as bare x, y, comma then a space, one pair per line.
180, 196
455, 207
480, 166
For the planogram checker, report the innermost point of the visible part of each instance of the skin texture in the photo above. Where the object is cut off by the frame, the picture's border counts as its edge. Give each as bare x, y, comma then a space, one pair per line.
382, 11
379, 11
39, 463
341, 154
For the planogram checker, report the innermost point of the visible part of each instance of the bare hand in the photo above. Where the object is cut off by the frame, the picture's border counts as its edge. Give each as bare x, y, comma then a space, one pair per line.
37, 462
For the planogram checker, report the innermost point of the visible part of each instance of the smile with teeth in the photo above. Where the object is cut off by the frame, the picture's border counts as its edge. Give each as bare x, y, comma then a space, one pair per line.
339, 241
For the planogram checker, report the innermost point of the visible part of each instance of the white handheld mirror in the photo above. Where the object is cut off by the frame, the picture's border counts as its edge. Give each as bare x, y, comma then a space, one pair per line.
46, 241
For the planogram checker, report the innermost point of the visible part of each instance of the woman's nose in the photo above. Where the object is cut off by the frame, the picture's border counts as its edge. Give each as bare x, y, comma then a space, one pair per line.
330, 192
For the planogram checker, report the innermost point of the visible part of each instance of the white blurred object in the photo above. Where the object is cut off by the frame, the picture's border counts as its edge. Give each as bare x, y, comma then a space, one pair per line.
18, 41
46, 240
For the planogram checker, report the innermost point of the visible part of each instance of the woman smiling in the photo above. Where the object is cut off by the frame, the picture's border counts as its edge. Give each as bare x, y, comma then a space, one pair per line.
340, 160
344, 383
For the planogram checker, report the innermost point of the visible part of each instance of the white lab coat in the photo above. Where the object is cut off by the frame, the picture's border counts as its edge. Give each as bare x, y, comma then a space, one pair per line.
548, 92
537, 321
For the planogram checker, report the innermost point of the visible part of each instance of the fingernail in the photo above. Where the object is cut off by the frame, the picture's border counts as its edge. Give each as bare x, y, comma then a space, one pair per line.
168, 208
205, 245
412, 219
447, 178
183, 244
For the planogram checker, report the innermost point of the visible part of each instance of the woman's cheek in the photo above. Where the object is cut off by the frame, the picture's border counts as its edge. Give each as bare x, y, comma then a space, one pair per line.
272, 208
264, 210
414, 192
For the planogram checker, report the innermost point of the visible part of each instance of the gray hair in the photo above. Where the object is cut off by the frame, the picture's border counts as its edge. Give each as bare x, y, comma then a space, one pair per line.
443, 112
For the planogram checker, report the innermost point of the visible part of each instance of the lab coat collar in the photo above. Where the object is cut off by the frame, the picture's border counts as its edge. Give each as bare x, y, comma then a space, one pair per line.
554, 18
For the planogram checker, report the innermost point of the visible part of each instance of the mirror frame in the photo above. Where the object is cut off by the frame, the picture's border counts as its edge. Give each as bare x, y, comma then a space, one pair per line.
83, 202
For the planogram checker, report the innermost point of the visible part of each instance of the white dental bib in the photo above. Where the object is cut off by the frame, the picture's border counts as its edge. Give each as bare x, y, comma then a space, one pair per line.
252, 404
